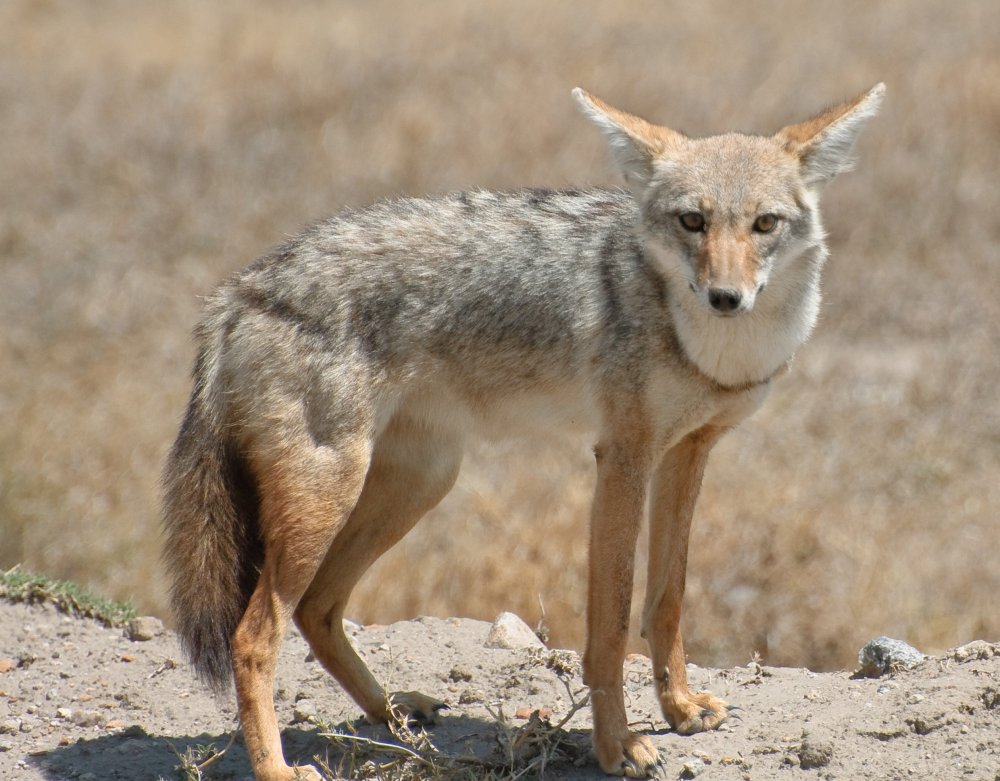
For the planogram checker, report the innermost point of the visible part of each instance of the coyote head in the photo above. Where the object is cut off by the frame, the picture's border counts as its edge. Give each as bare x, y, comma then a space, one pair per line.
723, 214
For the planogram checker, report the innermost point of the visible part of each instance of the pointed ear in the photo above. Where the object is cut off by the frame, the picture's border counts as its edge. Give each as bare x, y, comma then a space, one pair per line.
824, 144
634, 142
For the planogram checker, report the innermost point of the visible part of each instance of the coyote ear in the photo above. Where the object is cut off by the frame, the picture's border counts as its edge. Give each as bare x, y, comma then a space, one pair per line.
824, 144
635, 143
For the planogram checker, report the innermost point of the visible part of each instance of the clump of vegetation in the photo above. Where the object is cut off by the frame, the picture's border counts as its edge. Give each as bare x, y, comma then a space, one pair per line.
19, 586
524, 751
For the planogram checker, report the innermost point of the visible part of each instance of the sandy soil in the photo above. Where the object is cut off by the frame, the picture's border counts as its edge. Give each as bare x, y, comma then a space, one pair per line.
82, 701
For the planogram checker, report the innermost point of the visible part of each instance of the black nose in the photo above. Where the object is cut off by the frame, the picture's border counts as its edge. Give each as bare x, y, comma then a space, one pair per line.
724, 299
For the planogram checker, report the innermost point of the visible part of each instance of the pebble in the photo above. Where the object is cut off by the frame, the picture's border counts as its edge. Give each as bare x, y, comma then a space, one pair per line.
692, 768
87, 718
305, 711
143, 628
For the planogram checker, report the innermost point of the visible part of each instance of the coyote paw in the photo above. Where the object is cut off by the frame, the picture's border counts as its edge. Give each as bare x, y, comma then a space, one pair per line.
699, 712
633, 757
415, 708
305, 773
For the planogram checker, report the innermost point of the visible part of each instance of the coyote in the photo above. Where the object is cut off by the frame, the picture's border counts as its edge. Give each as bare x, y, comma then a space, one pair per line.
339, 377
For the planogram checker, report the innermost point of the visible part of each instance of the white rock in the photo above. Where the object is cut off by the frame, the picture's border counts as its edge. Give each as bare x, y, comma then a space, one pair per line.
509, 631
143, 628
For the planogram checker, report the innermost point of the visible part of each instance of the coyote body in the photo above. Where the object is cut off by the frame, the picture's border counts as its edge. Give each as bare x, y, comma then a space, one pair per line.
339, 377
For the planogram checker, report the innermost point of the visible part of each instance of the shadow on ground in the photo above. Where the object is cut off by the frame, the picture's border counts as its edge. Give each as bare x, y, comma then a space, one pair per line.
135, 754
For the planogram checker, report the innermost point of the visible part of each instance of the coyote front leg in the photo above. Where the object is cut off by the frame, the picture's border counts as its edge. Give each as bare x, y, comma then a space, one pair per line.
675, 491
619, 502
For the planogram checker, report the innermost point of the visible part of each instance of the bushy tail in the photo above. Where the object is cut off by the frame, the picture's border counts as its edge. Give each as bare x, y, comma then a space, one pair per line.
213, 549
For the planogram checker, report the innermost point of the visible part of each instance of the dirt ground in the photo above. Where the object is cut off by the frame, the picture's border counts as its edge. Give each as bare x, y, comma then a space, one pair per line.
79, 700
151, 149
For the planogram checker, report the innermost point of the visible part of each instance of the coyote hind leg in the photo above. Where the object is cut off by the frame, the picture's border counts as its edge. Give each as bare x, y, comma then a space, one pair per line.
306, 494
412, 469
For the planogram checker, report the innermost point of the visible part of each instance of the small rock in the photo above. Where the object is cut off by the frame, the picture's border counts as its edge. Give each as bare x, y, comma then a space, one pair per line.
10, 727
6, 665
305, 711
883, 655
510, 632
87, 718
977, 649
64, 713
815, 750
692, 768
143, 628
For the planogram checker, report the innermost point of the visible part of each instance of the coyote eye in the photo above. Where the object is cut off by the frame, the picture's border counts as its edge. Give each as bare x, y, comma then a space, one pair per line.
765, 223
692, 221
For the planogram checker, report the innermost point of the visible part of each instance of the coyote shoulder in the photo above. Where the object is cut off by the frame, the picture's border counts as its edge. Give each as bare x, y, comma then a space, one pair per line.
339, 378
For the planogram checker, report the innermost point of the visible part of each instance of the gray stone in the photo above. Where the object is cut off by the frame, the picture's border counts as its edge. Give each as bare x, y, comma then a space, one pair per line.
883, 655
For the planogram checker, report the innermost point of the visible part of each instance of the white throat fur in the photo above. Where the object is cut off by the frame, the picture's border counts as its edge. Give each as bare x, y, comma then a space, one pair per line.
752, 347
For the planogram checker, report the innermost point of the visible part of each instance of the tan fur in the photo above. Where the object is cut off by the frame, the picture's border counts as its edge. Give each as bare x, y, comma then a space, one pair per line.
338, 380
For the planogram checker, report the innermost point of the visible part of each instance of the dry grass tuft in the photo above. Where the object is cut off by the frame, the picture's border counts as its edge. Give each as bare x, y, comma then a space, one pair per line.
148, 151
523, 751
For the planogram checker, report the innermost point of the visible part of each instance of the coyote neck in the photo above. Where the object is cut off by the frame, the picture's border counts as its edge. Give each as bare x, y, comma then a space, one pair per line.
753, 347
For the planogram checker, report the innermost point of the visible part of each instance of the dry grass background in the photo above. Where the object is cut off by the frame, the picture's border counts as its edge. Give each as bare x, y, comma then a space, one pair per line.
146, 150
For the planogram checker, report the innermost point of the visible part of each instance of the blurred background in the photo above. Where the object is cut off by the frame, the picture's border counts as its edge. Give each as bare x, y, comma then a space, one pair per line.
148, 150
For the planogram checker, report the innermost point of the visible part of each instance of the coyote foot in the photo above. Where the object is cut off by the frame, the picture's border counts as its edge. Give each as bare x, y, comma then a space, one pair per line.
414, 708
633, 757
283, 772
305, 773
699, 712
